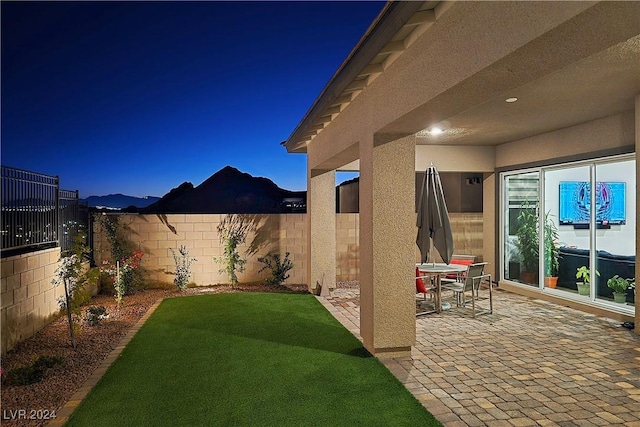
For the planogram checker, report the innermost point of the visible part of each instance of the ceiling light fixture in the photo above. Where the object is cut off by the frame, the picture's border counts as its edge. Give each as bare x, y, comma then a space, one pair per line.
512, 99
435, 131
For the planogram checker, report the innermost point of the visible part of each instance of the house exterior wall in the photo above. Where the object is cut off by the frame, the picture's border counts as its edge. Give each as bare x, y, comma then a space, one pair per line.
615, 132
29, 299
452, 67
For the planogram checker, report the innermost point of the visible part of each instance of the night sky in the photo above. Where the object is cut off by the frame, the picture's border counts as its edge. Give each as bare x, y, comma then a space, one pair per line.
136, 98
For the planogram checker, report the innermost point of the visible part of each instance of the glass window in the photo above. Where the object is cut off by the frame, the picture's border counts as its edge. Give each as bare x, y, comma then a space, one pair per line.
521, 242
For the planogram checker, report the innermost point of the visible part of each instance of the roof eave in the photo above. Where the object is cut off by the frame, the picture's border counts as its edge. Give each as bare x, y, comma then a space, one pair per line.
388, 22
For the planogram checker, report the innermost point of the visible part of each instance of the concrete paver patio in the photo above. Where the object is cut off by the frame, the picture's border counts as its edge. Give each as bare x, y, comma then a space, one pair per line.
529, 363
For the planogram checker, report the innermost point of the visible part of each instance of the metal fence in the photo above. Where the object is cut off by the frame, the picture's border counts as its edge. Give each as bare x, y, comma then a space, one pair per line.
37, 214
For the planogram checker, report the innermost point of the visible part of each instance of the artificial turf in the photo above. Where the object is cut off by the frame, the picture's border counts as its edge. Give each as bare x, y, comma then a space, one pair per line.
247, 359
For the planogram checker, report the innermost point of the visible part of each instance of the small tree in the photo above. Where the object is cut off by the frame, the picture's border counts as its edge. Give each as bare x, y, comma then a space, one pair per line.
278, 268
67, 274
233, 232
183, 267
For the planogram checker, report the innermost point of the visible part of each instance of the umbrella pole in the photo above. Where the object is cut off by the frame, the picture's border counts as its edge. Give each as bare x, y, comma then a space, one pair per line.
433, 258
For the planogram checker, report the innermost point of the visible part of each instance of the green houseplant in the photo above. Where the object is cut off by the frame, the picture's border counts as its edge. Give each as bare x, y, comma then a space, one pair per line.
551, 252
583, 274
619, 286
528, 241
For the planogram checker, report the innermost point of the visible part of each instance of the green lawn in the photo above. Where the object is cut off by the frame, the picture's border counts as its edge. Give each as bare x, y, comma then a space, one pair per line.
247, 359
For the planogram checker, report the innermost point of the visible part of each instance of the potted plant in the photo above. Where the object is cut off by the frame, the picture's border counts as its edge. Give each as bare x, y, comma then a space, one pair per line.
619, 286
584, 274
551, 252
528, 243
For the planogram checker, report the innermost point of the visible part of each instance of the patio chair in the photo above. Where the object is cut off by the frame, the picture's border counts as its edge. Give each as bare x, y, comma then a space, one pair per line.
472, 283
465, 260
426, 287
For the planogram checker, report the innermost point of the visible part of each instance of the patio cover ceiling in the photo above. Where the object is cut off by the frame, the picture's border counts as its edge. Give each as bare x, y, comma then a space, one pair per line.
586, 68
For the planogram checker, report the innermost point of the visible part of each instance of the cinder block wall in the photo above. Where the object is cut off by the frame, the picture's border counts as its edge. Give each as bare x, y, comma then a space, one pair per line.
347, 247
467, 229
467, 234
156, 234
29, 300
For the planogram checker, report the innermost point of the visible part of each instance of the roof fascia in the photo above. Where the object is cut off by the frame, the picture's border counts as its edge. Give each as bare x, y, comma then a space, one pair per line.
391, 19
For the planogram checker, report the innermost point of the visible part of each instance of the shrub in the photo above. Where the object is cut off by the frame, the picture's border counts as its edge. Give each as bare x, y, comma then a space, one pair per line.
233, 232
122, 273
123, 250
25, 375
278, 268
183, 267
95, 314
619, 284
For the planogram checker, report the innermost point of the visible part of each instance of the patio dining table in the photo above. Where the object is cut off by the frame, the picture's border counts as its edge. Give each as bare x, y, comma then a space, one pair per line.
436, 270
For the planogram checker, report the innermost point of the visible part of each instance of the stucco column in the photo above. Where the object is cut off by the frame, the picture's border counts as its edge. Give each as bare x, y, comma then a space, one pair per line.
321, 230
637, 319
387, 246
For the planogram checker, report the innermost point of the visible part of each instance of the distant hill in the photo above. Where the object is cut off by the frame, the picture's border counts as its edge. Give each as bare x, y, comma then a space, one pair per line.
120, 201
230, 191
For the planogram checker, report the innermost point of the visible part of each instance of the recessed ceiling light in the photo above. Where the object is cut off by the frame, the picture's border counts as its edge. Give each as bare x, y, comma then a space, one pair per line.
512, 99
435, 131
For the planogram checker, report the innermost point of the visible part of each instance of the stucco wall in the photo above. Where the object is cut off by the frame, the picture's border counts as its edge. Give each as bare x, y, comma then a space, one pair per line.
29, 300
608, 133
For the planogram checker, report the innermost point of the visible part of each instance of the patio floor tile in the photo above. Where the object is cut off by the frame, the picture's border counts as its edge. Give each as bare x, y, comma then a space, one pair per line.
530, 363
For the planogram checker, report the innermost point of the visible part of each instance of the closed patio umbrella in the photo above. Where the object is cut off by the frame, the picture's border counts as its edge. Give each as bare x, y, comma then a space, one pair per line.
433, 218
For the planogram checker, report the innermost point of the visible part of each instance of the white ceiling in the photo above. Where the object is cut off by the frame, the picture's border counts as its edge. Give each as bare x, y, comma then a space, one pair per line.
603, 84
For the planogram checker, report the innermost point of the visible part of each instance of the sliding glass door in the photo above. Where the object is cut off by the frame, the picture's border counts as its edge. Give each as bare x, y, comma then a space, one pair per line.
615, 200
567, 234
570, 229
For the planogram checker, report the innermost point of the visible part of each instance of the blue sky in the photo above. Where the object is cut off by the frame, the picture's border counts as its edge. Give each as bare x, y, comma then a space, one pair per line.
136, 98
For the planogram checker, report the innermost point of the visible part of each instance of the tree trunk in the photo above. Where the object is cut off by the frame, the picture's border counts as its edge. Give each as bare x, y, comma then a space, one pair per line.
68, 303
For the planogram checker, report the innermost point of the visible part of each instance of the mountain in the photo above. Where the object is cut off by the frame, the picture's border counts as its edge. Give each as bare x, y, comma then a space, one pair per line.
120, 201
230, 191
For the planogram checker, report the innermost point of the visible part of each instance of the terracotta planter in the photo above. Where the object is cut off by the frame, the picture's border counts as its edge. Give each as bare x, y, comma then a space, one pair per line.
528, 277
550, 282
